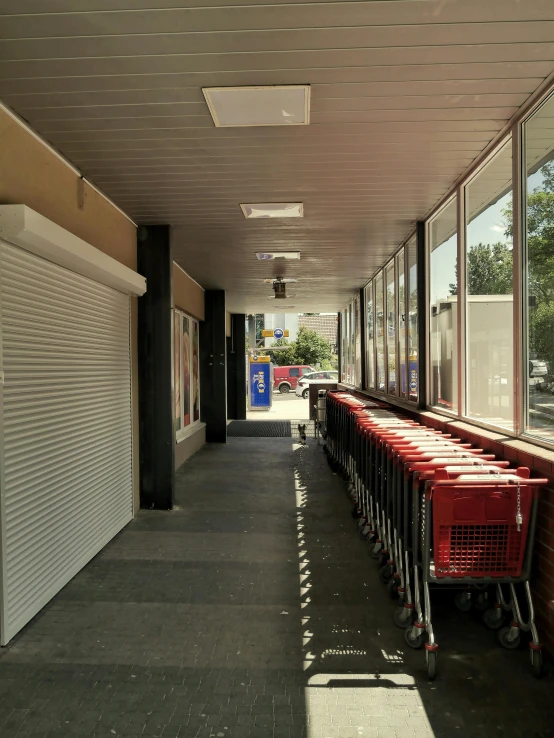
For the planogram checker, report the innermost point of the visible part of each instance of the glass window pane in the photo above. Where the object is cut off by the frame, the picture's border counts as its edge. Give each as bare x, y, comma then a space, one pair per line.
347, 344
344, 358
186, 371
443, 285
489, 299
370, 368
391, 338
401, 323
380, 331
357, 344
539, 270
411, 251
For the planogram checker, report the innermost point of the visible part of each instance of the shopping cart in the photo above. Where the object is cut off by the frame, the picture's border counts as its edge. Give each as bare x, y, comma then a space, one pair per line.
473, 529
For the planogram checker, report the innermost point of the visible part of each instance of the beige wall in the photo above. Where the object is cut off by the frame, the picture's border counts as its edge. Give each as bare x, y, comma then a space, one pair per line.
187, 294
30, 174
189, 446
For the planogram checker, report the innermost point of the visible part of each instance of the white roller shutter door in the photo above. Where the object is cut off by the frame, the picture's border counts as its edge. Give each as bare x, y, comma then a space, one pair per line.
66, 443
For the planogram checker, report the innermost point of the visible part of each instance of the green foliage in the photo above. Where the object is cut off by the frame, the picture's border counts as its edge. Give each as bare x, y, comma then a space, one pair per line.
284, 358
540, 236
489, 270
309, 348
541, 325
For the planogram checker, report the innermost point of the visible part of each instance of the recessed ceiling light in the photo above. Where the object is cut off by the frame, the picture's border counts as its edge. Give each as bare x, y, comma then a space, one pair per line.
285, 105
278, 255
273, 210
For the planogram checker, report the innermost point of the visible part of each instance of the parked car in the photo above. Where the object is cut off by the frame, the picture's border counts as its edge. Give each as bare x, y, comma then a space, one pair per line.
537, 368
319, 377
285, 378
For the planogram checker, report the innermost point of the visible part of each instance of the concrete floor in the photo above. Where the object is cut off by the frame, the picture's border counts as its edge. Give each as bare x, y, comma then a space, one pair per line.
285, 407
253, 611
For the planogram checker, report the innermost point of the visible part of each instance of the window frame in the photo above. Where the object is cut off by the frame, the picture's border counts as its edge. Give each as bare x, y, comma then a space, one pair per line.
186, 431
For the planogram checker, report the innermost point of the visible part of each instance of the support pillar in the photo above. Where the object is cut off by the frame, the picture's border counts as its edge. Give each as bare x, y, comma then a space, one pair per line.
155, 369
236, 368
213, 367
422, 311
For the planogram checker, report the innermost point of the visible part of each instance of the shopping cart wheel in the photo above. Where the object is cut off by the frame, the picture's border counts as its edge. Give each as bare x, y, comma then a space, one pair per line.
431, 657
392, 587
463, 601
507, 638
412, 642
375, 551
385, 574
481, 602
536, 662
493, 618
355, 512
403, 617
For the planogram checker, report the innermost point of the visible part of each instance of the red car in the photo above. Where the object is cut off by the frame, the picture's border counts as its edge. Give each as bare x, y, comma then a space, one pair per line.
285, 378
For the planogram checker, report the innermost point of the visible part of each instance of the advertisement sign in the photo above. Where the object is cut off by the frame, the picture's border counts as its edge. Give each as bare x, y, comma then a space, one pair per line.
260, 384
275, 333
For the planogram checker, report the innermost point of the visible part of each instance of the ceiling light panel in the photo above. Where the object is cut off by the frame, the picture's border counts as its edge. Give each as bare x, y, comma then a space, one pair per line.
269, 256
287, 105
273, 210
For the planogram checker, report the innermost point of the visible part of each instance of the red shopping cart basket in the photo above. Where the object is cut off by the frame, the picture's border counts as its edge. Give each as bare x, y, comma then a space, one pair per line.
480, 525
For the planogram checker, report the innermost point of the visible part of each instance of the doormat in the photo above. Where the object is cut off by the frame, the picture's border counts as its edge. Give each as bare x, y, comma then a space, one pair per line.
270, 428
260, 429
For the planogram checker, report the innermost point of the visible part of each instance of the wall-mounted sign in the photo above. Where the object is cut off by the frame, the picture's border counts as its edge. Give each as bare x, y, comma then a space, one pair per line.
276, 333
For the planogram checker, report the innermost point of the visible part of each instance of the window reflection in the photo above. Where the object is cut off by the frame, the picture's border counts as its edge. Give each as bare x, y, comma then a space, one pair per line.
401, 323
391, 332
370, 368
539, 271
443, 309
380, 331
356, 343
489, 300
411, 255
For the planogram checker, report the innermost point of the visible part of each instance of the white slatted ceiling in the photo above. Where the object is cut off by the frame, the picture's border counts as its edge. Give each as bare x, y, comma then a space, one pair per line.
66, 477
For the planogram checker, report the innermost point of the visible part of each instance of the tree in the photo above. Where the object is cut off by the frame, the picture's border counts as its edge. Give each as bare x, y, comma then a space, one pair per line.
542, 330
489, 270
309, 348
283, 358
540, 236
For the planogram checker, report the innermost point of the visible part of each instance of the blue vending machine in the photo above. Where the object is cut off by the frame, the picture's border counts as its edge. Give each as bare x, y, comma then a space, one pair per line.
260, 383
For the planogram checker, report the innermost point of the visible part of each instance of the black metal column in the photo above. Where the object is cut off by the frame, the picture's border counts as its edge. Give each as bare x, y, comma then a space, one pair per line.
213, 367
422, 309
155, 362
236, 368
363, 333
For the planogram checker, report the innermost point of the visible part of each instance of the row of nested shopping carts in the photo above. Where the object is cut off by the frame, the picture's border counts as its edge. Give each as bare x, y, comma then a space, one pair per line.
437, 512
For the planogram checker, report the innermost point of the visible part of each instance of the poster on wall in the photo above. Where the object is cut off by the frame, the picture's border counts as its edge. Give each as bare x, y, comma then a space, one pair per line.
177, 370
186, 372
195, 382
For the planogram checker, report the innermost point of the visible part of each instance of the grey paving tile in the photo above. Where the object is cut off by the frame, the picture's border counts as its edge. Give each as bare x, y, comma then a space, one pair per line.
193, 623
